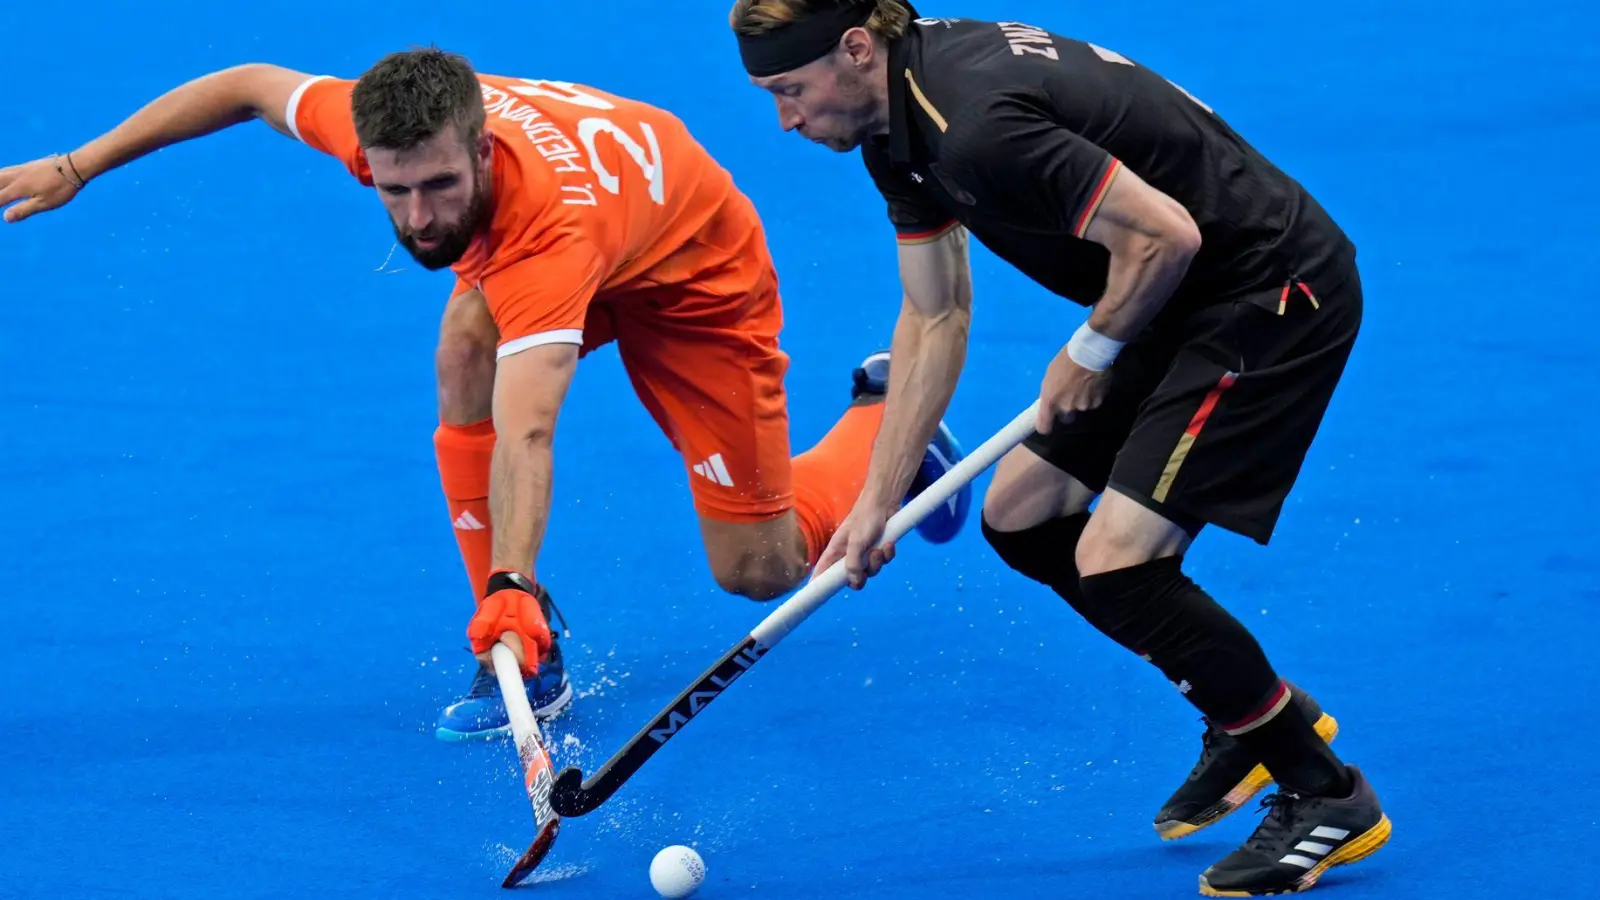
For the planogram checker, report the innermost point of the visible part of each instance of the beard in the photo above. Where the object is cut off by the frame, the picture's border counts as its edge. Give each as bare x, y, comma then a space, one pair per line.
454, 240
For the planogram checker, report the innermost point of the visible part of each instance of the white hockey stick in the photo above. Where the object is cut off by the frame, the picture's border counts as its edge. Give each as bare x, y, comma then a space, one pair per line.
538, 772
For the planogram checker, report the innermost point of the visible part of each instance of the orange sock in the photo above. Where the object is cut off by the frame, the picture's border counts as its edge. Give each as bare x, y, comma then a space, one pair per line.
829, 476
464, 453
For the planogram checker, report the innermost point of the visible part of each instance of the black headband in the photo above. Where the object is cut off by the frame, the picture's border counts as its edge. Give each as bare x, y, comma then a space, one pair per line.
804, 40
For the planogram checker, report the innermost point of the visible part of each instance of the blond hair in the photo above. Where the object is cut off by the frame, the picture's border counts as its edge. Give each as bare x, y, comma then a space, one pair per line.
889, 19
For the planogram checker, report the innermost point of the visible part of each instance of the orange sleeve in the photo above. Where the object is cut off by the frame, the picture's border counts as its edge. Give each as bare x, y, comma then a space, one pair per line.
319, 115
543, 296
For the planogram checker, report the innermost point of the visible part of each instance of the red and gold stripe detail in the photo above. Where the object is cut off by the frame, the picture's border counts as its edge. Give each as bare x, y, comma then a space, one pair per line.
1098, 197
1283, 300
927, 235
1263, 714
1190, 434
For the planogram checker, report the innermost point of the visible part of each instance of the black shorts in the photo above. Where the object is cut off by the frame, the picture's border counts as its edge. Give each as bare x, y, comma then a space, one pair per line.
1210, 413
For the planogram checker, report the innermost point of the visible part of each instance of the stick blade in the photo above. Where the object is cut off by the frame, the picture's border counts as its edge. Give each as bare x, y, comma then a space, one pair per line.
569, 798
535, 854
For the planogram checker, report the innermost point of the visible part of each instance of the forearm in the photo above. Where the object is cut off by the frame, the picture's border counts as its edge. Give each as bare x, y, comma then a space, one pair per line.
1141, 277
195, 109
519, 500
927, 356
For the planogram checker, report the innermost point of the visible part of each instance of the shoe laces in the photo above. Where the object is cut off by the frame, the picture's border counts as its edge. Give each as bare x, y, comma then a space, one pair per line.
485, 684
1284, 809
1210, 745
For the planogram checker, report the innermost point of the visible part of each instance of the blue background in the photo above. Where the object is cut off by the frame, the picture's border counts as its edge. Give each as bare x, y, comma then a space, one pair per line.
232, 604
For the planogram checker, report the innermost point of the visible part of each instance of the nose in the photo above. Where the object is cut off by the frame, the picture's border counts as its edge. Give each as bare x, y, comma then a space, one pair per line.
418, 214
789, 117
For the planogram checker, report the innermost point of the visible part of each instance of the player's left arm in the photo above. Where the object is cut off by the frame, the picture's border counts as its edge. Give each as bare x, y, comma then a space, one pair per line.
529, 388
1151, 239
539, 304
1024, 161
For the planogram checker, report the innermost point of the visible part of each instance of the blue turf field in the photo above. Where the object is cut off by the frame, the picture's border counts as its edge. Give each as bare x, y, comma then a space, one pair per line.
218, 403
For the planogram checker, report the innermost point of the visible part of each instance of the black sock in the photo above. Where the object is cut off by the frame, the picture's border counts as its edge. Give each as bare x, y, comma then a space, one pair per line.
1298, 759
1156, 611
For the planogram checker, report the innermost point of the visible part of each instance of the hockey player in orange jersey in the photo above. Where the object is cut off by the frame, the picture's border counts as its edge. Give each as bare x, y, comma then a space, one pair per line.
571, 218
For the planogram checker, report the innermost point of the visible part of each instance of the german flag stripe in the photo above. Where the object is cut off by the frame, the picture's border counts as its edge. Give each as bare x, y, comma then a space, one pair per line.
1098, 197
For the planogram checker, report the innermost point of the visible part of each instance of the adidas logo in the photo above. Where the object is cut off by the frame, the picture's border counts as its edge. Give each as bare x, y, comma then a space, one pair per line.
1315, 848
468, 522
714, 469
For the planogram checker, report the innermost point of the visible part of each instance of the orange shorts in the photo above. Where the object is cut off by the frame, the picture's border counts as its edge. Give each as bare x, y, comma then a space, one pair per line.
703, 357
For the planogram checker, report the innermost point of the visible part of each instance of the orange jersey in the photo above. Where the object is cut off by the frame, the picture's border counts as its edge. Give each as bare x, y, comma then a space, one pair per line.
594, 196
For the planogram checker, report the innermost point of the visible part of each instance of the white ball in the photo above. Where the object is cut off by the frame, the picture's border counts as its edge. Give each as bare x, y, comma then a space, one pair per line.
677, 872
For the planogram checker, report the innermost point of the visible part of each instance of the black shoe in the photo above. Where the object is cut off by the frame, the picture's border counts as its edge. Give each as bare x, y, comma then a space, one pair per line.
1300, 838
1227, 775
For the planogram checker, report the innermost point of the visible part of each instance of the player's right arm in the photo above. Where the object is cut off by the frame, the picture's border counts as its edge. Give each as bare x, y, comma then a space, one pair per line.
191, 110
928, 352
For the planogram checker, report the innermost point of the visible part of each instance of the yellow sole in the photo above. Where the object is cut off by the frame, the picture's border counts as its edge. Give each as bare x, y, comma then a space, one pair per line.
1327, 727
1362, 847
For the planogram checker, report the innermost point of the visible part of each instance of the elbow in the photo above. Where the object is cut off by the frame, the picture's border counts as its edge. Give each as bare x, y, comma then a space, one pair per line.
1184, 240
523, 434
539, 437
252, 88
1181, 235
1171, 245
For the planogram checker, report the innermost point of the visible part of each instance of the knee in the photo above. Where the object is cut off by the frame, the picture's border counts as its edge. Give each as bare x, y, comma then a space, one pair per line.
1112, 542
760, 576
1027, 491
1101, 550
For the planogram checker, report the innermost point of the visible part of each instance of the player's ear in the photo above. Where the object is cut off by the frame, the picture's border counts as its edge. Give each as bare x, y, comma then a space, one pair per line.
485, 147
858, 47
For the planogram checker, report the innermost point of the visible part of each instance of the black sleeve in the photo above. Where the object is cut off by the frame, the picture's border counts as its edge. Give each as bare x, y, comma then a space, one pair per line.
1008, 153
917, 217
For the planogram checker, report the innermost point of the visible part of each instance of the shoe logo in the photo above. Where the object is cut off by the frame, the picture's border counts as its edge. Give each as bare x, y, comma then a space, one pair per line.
1316, 849
468, 522
1184, 686
715, 470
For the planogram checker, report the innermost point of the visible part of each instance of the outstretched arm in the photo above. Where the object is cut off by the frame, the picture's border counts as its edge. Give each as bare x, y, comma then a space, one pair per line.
191, 110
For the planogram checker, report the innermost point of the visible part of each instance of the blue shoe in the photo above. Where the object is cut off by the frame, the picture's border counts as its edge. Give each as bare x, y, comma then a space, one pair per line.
481, 714
871, 381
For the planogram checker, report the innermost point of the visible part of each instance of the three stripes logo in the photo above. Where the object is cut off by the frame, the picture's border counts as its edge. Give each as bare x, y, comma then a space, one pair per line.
715, 469
1312, 851
468, 522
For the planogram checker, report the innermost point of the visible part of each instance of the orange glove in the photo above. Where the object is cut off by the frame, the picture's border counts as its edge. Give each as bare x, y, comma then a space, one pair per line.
510, 604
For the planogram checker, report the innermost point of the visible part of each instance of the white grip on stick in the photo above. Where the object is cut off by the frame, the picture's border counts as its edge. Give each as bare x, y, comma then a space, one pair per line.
523, 725
809, 598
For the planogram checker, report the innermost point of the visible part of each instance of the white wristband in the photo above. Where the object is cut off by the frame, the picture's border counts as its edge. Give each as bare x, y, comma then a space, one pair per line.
1093, 350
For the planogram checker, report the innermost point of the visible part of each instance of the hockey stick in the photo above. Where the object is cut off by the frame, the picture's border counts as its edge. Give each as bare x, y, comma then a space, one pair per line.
536, 766
573, 796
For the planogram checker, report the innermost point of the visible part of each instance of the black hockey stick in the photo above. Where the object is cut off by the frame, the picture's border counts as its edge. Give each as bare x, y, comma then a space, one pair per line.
575, 796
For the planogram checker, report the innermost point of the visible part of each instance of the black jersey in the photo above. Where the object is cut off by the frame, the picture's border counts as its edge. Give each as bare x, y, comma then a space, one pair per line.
1017, 133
